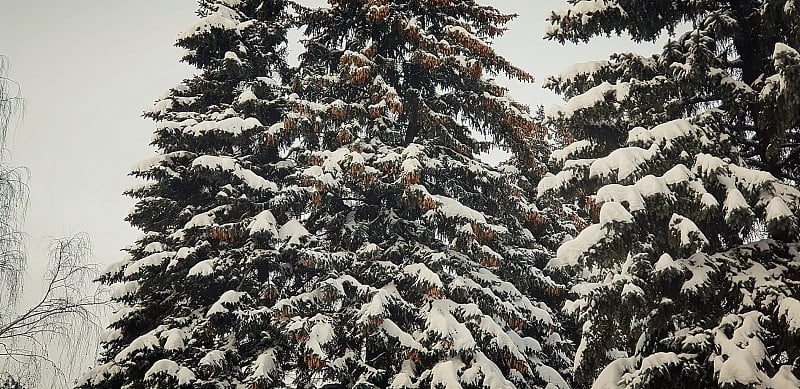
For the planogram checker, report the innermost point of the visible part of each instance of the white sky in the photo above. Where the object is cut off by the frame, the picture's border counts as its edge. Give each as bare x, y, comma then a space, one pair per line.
88, 68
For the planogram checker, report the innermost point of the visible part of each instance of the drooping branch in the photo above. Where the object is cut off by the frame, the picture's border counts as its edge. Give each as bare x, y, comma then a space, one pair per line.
62, 316
13, 198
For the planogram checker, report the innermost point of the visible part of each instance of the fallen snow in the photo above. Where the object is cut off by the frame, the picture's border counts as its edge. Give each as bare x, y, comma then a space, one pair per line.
292, 231
688, 232
162, 366
789, 310
159, 160
445, 374
570, 252
266, 364
612, 374
697, 264
213, 358
151, 260
141, 344
592, 6
321, 334
202, 268
741, 355
223, 19
784, 379
551, 377
99, 373
593, 97
583, 68
625, 162
125, 289
777, 210
784, 50
664, 133
423, 275
442, 325
175, 339
264, 222
392, 330
246, 96
230, 164
734, 203
230, 297
612, 212
665, 262
185, 376
651, 186
233, 126
562, 155
205, 219
452, 208
631, 289
621, 194
484, 373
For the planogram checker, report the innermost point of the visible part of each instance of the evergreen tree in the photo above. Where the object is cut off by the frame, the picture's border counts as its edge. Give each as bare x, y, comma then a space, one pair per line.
345, 232
418, 271
683, 162
205, 188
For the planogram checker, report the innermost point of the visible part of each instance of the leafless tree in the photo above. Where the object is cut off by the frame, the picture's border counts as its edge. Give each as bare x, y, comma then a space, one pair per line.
65, 316
44, 343
13, 199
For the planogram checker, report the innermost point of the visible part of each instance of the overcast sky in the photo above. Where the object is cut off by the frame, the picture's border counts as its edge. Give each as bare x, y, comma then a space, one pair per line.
88, 68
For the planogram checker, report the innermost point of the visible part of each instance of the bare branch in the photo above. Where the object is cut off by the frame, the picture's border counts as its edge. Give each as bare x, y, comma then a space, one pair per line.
65, 315
13, 199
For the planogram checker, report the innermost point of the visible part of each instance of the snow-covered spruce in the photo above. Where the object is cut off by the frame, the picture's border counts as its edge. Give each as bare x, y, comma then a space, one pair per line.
651, 280
213, 177
668, 290
418, 269
681, 161
342, 230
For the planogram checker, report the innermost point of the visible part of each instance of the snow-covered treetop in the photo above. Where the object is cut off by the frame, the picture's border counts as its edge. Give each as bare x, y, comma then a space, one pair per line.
438, 89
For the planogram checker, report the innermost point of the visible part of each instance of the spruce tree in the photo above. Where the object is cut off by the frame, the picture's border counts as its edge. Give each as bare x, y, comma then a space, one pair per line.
685, 162
419, 270
344, 230
207, 188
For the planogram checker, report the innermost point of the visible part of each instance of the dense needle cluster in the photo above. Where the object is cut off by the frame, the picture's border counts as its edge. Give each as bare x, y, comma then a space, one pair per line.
685, 163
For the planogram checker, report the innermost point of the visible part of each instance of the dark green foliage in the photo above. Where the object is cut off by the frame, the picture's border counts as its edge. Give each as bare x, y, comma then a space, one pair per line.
333, 223
204, 187
683, 167
734, 56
